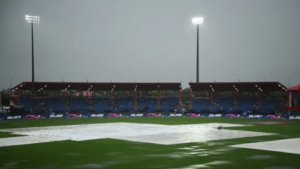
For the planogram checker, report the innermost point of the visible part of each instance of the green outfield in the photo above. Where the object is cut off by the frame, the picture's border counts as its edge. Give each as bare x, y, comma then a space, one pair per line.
115, 153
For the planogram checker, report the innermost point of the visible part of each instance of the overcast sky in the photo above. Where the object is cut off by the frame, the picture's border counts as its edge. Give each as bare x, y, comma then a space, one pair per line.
150, 41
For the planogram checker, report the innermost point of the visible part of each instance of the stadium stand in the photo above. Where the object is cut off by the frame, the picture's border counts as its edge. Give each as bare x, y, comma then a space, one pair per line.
101, 105
147, 104
223, 104
269, 104
55, 105
246, 104
79, 105
201, 104
169, 104
124, 104
26, 102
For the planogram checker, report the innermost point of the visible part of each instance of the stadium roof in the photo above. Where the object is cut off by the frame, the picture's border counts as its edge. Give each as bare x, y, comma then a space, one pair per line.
85, 86
295, 88
240, 86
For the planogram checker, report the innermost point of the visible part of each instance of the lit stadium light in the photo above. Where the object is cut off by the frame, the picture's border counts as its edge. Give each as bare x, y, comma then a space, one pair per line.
91, 85
255, 85
69, 85
21, 86
233, 85
197, 21
279, 85
32, 19
45, 86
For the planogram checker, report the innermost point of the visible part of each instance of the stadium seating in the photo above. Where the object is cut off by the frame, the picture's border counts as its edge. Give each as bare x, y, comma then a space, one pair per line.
55, 105
147, 104
124, 104
246, 104
269, 104
79, 105
201, 104
101, 105
169, 104
26, 102
223, 104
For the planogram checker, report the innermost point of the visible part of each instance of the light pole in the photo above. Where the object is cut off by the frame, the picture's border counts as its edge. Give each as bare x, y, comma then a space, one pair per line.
32, 20
197, 21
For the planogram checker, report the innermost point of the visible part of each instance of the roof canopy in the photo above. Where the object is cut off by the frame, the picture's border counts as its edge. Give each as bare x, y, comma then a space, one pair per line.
240, 86
295, 88
84, 86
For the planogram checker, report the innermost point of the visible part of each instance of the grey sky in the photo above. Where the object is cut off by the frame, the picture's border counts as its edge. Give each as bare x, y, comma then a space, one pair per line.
147, 41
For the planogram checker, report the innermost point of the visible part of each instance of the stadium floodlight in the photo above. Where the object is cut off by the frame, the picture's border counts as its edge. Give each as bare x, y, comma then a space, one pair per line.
69, 85
197, 21
45, 86
91, 85
255, 85
32, 20
279, 85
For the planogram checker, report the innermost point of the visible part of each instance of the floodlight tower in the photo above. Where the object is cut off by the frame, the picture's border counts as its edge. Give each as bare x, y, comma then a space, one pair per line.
197, 21
32, 20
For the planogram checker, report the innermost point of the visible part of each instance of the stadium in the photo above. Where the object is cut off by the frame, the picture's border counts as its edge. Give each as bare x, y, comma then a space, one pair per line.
148, 118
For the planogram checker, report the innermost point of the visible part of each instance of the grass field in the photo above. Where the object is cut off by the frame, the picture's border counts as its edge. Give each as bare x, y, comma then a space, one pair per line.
113, 153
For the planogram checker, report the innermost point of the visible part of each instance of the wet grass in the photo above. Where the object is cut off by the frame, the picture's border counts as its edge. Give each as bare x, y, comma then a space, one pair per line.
115, 154
5, 135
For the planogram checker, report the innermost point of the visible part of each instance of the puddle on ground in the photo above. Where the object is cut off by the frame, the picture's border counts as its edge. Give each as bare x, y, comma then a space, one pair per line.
260, 157
74, 154
280, 167
205, 165
90, 166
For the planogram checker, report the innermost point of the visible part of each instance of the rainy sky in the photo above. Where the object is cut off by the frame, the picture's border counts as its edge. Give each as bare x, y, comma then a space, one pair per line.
150, 41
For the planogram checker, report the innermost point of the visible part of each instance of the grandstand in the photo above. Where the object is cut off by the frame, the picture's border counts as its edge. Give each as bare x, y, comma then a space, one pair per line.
63, 101
263, 102
259, 97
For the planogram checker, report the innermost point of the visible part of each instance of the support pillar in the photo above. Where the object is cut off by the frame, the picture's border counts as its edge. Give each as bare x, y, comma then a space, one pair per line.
67, 97
180, 98
211, 96
158, 98
113, 97
135, 98
281, 97
234, 99
190, 98
290, 99
257, 97
19, 96
11, 94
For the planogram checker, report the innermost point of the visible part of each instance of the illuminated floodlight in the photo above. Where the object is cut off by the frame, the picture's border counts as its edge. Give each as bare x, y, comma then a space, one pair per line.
32, 19
45, 86
197, 21
69, 85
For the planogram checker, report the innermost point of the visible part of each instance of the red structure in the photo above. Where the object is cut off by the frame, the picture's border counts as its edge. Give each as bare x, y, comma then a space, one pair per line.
92, 87
293, 98
260, 88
